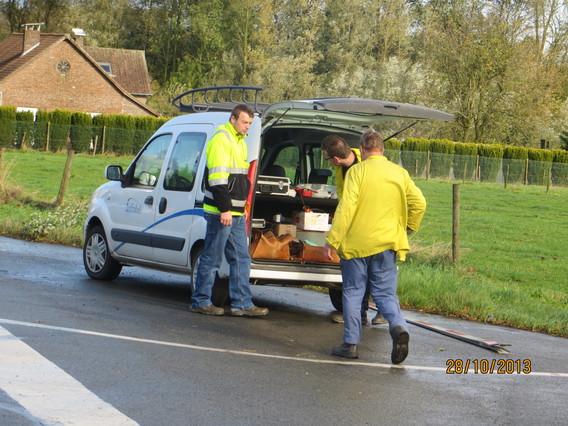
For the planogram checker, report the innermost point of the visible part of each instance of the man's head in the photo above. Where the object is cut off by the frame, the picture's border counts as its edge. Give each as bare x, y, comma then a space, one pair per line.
241, 118
335, 149
371, 143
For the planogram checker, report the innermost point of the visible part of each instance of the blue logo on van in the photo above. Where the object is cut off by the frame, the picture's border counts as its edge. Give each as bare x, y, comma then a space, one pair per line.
133, 206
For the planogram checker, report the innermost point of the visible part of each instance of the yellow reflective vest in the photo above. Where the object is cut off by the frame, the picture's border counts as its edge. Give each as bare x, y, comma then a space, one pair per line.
380, 201
227, 183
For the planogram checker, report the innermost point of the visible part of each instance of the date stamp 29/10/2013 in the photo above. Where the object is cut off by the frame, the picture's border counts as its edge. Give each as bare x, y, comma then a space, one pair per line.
488, 366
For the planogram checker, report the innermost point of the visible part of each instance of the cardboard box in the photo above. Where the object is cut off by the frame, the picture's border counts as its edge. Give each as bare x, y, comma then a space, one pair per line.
309, 221
283, 229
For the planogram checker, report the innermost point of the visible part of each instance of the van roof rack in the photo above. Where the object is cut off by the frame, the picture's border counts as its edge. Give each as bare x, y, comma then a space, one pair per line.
219, 98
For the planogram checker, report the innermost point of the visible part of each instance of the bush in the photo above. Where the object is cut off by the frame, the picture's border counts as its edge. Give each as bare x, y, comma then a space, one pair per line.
24, 128
81, 131
392, 150
514, 163
40, 129
540, 166
7, 125
464, 161
414, 155
560, 167
59, 129
441, 156
490, 157
120, 134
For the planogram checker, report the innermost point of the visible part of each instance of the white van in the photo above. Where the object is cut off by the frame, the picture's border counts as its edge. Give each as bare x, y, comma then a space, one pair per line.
152, 214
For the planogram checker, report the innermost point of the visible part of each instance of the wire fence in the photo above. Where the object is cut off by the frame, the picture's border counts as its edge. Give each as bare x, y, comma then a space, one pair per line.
420, 164
475, 168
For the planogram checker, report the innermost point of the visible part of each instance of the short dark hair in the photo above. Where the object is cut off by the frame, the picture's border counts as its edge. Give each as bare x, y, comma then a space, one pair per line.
372, 141
242, 108
335, 146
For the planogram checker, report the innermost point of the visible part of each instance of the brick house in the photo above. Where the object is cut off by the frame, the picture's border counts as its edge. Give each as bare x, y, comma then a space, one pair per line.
56, 71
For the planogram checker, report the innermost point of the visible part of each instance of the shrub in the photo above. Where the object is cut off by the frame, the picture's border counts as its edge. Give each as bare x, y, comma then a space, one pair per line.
514, 163
560, 167
59, 129
490, 157
7, 125
464, 161
392, 150
40, 129
540, 166
414, 155
441, 156
81, 131
24, 128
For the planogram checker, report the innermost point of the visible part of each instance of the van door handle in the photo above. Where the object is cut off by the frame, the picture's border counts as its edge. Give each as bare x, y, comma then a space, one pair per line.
149, 200
162, 206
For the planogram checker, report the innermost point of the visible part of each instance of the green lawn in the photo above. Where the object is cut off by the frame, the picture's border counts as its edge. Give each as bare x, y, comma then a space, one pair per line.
513, 264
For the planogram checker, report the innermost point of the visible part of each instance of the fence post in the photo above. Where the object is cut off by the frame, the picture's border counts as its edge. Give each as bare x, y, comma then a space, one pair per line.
527, 171
506, 176
428, 165
456, 224
103, 140
477, 170
65, 179
95, 144
47, 137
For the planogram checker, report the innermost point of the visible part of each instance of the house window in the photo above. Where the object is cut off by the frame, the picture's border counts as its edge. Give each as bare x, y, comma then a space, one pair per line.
106, 66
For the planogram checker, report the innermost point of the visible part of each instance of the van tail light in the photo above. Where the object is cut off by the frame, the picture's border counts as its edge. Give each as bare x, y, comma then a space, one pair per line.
248, 205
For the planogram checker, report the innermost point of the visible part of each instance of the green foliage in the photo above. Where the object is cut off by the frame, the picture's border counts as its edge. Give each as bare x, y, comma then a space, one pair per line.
7, 125
560, 167
59, 129
441, 157
563, 139
414, 155
145, 128
24, 128
40, 131
540, 166
464, 160
514, 163
392, 150
490, 157
81, 131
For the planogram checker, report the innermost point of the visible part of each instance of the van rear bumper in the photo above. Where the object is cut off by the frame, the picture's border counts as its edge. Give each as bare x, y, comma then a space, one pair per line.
290, 274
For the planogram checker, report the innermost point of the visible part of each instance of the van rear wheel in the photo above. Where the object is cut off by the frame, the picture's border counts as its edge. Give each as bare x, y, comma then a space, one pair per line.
220, 293
336, 297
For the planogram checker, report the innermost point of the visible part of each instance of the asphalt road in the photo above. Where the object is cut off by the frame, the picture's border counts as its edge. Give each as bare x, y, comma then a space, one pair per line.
77, 351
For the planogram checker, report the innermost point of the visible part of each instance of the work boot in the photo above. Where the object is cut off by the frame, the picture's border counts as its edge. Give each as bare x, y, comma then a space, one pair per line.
208, 310
253, 311
379, 319
400, 340
337, 317
345, 350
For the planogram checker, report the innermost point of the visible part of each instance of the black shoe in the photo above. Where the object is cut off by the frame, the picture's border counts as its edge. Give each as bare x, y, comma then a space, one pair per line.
400, 340
346, 351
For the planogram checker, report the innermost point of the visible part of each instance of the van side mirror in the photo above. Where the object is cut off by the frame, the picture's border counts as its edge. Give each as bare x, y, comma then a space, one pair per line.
113, 172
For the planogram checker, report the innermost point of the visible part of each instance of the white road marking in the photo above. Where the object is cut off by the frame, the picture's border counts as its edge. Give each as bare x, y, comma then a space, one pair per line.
47, 392
254, 354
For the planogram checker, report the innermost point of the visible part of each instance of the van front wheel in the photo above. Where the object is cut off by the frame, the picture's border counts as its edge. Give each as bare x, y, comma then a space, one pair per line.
220, 293
336, 297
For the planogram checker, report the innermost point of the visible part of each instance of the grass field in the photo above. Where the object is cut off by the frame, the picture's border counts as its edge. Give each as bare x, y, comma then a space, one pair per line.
513, 265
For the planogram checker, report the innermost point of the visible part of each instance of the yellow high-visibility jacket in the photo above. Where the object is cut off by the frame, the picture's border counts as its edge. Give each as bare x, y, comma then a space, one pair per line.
380, 201
227, 183
339, 178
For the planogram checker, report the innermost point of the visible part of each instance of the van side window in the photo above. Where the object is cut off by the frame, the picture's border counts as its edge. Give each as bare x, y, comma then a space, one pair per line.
182, 168
149, 164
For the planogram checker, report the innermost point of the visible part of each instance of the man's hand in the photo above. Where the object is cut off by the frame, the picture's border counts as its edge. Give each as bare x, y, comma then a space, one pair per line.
226, 218
328, 251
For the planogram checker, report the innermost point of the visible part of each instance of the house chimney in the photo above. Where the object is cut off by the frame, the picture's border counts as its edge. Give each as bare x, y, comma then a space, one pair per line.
78, 35
31, 37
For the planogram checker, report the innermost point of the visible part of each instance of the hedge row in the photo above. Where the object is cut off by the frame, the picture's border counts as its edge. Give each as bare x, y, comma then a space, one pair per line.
56, 130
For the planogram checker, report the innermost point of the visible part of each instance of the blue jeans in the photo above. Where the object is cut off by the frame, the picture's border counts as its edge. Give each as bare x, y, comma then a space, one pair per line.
380, 273
231, 240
